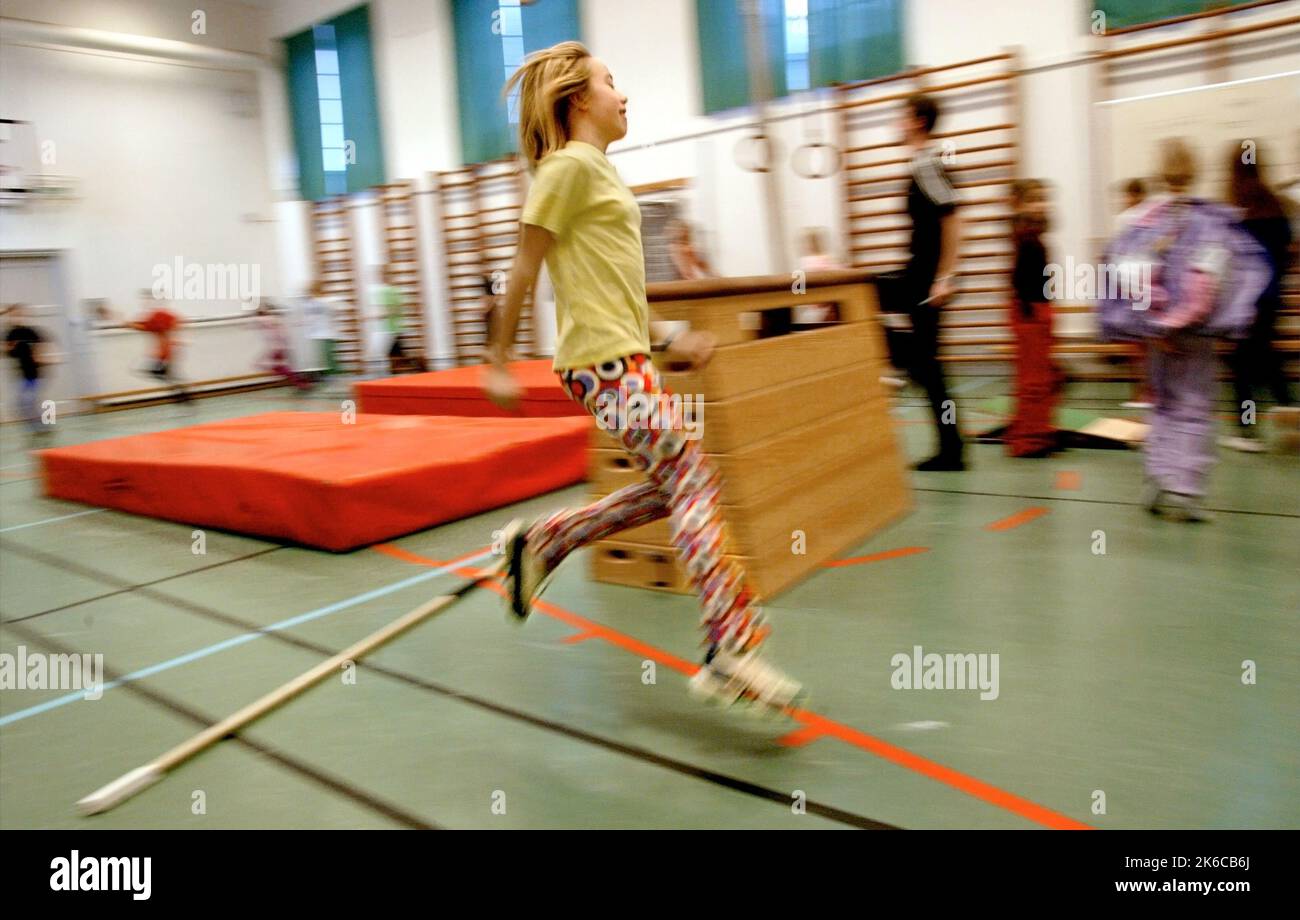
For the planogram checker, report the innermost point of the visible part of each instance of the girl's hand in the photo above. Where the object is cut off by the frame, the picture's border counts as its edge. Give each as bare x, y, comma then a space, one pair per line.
501, 386
690, 351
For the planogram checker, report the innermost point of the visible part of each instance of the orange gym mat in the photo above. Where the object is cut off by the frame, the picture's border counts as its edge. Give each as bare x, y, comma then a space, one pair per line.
459, 391
310, 478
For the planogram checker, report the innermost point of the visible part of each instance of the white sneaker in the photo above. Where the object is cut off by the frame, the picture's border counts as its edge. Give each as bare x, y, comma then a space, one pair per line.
1246, 445
1135, 404
896, 383
729, 678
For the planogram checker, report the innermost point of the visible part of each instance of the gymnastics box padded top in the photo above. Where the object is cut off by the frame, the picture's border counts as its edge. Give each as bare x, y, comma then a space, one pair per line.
317, 479
459, 391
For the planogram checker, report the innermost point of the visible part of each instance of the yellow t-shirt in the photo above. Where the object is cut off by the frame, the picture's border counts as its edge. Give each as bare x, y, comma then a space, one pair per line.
596, 263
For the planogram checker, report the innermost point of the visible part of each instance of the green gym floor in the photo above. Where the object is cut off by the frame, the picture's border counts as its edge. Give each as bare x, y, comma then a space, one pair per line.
1121, 701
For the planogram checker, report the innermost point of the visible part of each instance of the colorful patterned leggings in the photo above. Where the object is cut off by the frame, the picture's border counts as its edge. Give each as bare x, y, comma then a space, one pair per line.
682, 486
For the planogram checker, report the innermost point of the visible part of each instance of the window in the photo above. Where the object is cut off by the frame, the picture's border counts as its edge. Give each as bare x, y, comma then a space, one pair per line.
333, 106
492, 39
724, 61
329, 94
852, 40
809, 44
796, 45
512, 47
1123, 13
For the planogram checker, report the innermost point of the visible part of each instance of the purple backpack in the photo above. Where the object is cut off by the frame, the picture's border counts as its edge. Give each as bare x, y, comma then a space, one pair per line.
1181, 264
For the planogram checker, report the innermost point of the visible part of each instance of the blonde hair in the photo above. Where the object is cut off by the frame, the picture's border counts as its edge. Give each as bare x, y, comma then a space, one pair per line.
548, 80
1177, 164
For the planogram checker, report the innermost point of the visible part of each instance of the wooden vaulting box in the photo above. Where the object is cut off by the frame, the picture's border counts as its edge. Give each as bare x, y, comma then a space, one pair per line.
796, 421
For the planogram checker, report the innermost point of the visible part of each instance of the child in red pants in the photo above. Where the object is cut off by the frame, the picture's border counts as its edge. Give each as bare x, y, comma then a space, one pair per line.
1038, 379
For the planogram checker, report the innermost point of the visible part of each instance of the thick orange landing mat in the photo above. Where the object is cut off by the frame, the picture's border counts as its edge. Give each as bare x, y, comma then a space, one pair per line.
459, 391
311, 478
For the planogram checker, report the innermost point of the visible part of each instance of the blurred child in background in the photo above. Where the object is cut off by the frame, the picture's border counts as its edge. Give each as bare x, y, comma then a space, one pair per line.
157, 319
26, 346
1188, 273
318, 314
390, 301
1038, 379
1135, 194
278, 358
1254, 361
691, 266
816, 257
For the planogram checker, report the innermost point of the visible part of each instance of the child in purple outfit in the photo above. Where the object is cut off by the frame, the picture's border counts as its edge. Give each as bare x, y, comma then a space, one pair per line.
1187, 273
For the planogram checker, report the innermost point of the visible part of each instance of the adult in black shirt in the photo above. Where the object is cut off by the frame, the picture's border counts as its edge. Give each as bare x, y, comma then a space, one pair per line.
1254, 360
927, 282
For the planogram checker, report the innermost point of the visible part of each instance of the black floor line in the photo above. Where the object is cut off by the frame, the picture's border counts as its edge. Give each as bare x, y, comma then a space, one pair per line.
130, 588
1097, 501
305, 770
681, 767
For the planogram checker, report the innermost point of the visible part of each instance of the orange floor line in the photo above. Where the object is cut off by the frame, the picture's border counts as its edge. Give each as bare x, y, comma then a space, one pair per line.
877, 557
1069, 479
946, 775
815, 726
1015, 520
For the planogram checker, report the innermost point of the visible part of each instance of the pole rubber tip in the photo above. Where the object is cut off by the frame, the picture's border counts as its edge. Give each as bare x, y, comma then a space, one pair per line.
118, 790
